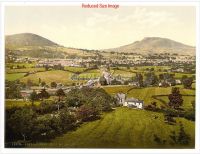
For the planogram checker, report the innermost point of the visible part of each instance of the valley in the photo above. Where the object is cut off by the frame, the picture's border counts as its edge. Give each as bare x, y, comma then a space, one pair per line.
136, 96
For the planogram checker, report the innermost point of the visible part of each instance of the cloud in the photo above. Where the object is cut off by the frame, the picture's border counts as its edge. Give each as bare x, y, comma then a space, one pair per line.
139, 16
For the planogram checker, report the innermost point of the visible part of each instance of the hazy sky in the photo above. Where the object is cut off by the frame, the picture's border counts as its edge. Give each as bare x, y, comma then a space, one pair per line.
102, 28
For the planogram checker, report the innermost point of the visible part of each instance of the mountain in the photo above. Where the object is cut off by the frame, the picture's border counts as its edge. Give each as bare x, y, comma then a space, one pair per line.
150, 45
32, 45
27, 39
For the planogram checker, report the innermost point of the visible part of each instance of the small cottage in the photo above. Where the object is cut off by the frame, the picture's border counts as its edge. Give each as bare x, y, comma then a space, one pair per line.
134, 103
129, 102
121, 98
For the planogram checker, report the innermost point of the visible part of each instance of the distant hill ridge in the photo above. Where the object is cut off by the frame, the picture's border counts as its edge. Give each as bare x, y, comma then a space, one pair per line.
155, 45
27, 39
148, 45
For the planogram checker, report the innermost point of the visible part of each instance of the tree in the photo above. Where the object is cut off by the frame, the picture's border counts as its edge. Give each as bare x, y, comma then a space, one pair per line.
29, 83
175, 98
102, 80
60, 93
183, 138
21, 122
43, 83
161, 76
43, 94
187, 82
173, 137
33, 97
13, 90
151, 78
139, 79
87, 113
53, 84
151, 69
67, 120
193, 105
39, 80
46, 67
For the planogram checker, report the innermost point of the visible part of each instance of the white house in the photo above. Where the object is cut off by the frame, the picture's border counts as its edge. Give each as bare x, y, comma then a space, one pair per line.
129, 102
178, 81
134, 103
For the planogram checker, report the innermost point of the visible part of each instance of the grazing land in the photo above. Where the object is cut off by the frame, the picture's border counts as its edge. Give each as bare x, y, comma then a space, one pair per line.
146, 94
14, 76
122, 128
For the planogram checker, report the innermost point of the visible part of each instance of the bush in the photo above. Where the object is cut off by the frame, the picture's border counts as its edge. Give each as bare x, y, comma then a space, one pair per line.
87, 113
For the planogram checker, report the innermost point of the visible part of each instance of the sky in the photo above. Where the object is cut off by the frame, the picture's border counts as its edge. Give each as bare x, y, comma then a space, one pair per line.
73, 26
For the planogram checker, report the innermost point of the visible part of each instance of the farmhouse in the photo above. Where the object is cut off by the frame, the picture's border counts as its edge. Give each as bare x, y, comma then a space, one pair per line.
26, 94
134, 103
129, 102
121, 98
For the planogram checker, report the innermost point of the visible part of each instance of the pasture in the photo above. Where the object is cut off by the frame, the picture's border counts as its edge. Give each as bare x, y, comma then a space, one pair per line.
18, 103
50, 76
123, 128
27, 65
14, 76
146, 94
25, 70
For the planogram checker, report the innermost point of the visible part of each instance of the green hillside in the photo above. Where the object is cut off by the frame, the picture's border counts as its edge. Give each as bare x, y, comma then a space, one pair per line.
123, 128
27, 39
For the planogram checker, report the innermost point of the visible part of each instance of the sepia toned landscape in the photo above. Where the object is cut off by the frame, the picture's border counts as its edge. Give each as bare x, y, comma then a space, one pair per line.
135, 95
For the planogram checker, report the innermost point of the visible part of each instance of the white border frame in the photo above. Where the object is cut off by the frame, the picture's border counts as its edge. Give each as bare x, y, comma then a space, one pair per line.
78, 3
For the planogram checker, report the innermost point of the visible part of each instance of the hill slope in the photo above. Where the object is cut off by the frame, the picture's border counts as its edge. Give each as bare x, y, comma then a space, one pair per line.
32, 45
156, 45
123, 128
27, 39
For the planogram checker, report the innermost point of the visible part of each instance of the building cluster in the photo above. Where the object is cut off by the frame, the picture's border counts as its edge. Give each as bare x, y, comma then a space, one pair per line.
120, 59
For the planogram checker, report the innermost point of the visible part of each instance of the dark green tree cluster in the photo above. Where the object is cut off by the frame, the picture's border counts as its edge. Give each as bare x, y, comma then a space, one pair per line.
139, 79
12, 90
151, 79
97, 98
182, 138
187, 82
27, 125
49, 119
175, 98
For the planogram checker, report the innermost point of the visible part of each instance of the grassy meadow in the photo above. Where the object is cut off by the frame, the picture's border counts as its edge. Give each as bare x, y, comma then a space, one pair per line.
146, 94
14, 76
18, 103
122, 128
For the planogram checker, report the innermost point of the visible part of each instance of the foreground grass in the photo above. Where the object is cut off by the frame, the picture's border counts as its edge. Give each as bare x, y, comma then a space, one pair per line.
122, 128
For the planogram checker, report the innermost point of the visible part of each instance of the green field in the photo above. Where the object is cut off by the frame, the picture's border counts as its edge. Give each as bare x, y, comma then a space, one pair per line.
18, 103
146, 94
123, 73
14, 76
122, 128
74, 69
27, 65
10, 103
50, 76
25, 70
